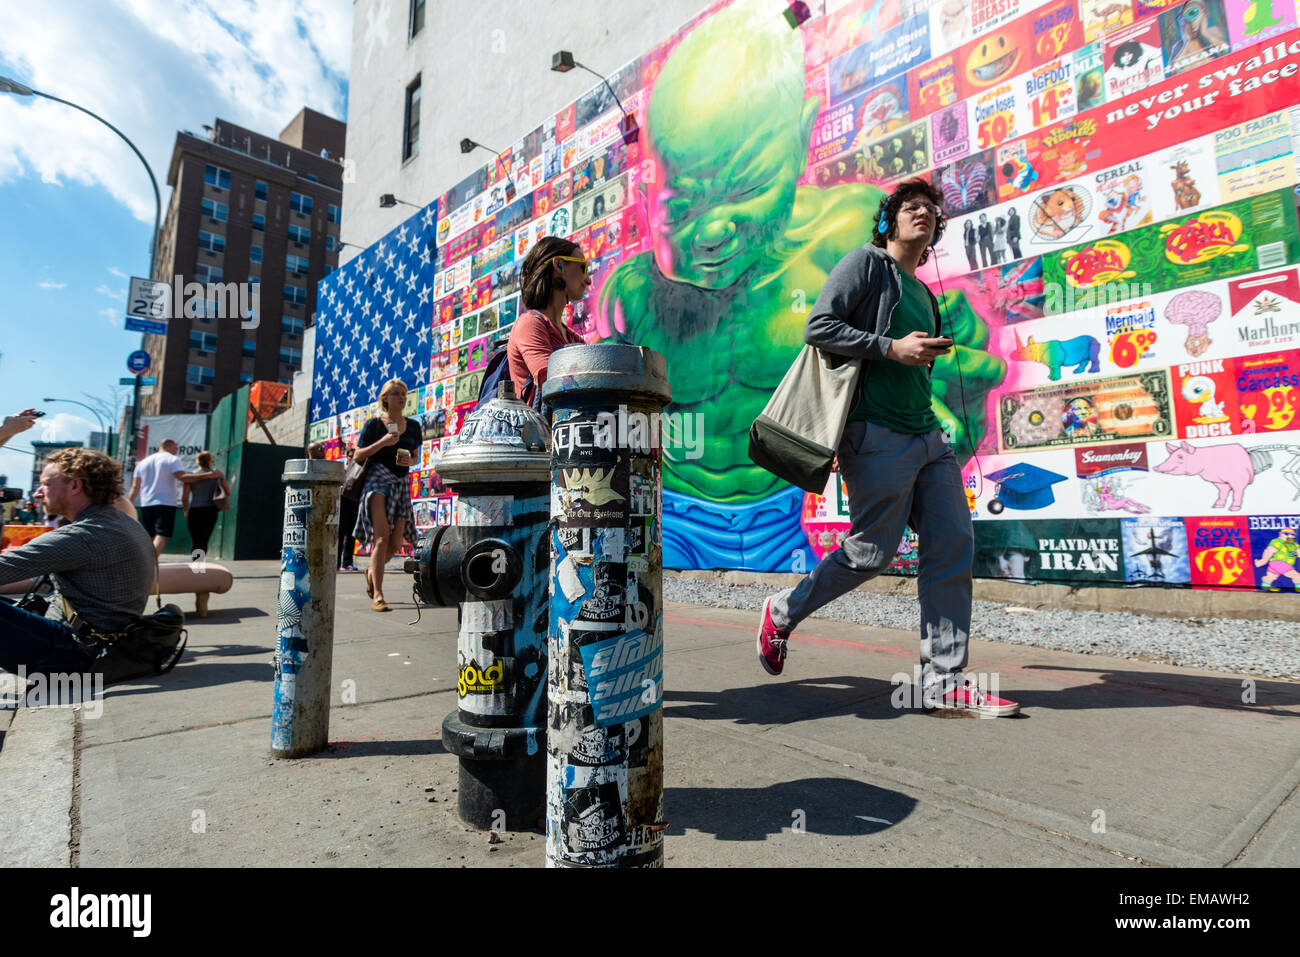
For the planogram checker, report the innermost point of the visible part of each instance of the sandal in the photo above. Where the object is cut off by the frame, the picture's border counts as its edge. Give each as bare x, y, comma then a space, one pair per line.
370, 585
379, 605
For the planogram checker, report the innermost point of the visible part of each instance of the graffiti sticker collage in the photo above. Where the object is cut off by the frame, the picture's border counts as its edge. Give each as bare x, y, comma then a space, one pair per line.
1118, 270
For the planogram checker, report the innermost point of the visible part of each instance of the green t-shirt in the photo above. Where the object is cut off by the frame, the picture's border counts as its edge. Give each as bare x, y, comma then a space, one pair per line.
895, 395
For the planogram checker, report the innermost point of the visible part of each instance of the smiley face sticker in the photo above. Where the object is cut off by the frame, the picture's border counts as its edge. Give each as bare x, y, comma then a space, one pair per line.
992, 59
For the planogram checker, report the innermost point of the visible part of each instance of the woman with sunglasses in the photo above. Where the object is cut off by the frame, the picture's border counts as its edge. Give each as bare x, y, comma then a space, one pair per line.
554, 274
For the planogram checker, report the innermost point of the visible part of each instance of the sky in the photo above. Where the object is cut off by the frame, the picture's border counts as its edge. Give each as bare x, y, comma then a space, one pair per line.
76, 206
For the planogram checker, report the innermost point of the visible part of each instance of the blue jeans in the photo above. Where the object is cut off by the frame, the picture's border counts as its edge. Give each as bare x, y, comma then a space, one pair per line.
41, 645
895, 480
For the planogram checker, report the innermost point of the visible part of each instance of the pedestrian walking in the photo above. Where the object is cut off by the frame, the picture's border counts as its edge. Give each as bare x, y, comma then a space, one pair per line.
893, 457
157, 481
198, 502
384, 517
347, 521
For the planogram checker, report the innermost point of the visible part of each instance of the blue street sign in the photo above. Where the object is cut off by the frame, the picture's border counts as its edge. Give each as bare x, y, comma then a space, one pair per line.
150, 326
148, 380
137, 361
126, 380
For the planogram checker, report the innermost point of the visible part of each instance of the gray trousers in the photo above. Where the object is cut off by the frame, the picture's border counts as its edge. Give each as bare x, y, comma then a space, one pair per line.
895, 480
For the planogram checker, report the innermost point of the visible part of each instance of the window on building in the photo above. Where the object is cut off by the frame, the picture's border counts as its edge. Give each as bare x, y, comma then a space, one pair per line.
331, 244
300, 203
295, 264
253, 280
292, 325
411, 132
212, 242
205, 273
259, 190
215, 210
203, 341
245, 378
334, 214
300, 234
250, 347
296, 295
200, 376
216, 177
291, 357
328, 269
197, 406
311, 177
254, 254
259, 221
417, 17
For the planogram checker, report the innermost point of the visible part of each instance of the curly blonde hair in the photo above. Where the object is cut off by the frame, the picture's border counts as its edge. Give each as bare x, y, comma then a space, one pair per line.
100, 476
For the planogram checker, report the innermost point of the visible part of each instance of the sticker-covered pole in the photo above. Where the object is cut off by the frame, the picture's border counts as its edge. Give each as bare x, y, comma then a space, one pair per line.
304, 652
604, 782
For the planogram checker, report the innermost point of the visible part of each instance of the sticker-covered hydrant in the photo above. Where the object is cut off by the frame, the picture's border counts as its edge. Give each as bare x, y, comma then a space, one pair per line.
493, 564
604, 781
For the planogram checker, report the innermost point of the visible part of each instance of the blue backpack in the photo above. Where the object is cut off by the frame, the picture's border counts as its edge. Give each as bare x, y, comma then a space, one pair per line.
497, 371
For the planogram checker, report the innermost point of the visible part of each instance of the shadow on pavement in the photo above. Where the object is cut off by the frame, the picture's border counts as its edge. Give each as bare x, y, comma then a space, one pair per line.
783, 702
362, 749
815, 805
221, 616
196, 674
1147, 689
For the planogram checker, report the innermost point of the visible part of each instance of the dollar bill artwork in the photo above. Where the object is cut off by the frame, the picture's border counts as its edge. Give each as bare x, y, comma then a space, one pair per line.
1113, 409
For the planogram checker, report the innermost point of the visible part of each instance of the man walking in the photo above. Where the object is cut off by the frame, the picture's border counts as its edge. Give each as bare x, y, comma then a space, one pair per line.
893, 457
157, 481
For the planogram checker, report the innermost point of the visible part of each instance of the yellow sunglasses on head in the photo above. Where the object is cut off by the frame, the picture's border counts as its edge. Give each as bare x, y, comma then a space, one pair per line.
586, 266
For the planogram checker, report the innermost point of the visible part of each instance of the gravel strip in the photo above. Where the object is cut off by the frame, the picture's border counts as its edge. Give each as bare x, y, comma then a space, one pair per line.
1236, 646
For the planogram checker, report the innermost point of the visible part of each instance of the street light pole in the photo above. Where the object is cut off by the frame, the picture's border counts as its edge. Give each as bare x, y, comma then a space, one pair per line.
8, 85
106, 431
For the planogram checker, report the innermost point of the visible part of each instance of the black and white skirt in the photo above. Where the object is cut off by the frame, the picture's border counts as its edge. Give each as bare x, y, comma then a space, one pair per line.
396, 489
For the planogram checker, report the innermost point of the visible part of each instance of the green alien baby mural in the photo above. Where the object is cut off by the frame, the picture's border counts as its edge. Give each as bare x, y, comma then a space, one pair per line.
739, 251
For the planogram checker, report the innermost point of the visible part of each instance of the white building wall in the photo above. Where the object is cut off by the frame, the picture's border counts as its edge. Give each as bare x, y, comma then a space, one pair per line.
485, 69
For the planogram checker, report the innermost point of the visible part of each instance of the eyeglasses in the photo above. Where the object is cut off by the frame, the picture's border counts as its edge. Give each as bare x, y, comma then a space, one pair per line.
917, 205
586, 266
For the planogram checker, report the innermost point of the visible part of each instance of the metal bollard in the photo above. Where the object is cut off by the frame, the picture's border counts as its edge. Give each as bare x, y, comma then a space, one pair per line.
604, 783
304, 654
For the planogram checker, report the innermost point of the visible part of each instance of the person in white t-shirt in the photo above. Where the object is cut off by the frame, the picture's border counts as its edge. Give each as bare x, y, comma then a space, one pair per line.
157, 481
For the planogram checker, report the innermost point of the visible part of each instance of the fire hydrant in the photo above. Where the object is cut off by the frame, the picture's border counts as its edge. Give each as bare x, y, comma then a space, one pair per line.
494, 564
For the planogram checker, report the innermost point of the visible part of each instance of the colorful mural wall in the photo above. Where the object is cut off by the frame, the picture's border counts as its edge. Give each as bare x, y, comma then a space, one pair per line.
1118, 270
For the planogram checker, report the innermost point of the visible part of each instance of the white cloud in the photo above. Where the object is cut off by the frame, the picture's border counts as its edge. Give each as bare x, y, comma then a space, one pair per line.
153, 67
61, 427
118, 273
118, 294
114, 316
51, 284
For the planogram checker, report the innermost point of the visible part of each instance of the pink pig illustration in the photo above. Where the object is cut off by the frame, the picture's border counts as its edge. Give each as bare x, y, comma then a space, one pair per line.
1227, 467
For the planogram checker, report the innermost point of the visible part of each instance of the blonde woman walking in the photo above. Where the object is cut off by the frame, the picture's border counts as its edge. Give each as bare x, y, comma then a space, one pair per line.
387, 446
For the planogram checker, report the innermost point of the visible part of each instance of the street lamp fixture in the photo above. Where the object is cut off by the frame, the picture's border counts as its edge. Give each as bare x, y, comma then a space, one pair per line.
468, 145
562, 61
10, 85
105, 430
796, 14
388, 201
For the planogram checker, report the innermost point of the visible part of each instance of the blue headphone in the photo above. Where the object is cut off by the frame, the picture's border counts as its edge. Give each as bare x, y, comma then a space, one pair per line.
882, 227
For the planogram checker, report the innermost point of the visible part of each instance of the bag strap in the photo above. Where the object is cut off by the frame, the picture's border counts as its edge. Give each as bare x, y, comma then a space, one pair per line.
157, 581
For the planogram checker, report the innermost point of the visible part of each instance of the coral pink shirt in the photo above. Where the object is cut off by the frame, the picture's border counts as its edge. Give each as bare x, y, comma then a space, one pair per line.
532, 340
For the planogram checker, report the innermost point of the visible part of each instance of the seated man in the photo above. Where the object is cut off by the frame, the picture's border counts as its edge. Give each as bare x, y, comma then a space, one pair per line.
102, 564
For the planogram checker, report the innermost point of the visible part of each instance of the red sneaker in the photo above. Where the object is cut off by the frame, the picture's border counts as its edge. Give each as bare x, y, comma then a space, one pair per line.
771, 643
969, 696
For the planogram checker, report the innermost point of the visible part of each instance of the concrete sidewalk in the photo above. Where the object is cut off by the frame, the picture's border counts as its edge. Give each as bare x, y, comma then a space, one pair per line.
1113, 763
